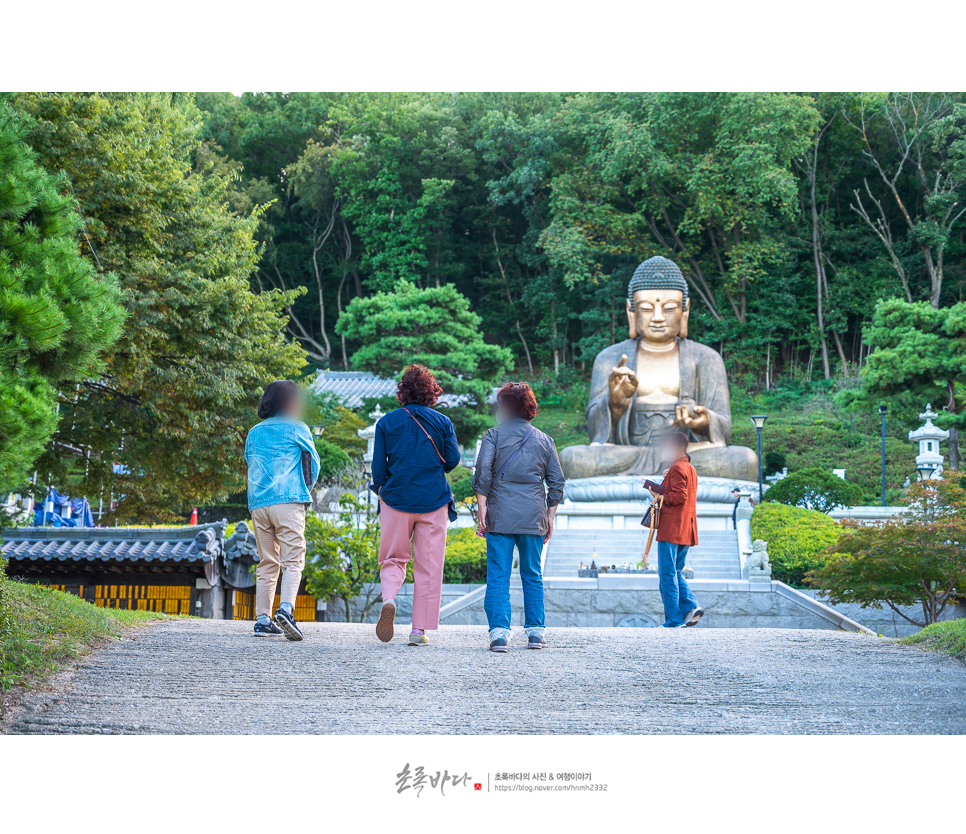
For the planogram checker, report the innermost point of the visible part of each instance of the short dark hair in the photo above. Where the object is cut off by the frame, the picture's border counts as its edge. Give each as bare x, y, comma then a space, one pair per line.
519, 399
418, 386
679, 439
277, 397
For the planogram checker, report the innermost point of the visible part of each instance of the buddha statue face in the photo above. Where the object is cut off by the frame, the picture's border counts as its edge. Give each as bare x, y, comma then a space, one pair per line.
658, 316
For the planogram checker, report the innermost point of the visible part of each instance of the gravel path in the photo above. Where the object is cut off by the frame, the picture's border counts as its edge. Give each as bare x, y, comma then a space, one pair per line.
208, 676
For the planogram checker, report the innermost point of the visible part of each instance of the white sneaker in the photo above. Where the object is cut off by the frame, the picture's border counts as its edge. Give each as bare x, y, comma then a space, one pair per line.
693, 616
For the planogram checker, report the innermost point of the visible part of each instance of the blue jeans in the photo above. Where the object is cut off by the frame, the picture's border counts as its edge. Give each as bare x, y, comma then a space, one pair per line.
499, 565
675, 593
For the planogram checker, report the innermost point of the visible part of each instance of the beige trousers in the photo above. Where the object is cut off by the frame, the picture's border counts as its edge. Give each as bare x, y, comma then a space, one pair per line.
280, 539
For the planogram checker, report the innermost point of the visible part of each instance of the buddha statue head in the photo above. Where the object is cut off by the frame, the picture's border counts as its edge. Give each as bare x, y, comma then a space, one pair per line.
657, 302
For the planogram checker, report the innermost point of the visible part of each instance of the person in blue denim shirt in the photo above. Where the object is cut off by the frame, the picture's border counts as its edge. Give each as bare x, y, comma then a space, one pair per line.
283, 466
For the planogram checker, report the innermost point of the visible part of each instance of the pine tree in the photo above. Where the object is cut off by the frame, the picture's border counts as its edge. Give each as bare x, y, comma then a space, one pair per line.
433, 327
56, 315
179, 391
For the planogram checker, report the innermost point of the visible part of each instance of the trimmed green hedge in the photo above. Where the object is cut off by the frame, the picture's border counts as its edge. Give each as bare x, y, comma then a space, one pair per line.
796, 538
465, 558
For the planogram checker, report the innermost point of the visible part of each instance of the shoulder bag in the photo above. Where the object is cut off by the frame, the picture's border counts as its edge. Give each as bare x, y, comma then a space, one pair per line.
651, 520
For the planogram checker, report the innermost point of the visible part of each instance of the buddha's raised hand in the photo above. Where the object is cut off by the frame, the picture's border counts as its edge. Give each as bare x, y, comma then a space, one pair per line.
622, 384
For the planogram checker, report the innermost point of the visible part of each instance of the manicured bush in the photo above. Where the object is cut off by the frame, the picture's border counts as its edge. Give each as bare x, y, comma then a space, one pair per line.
797, 539
814, 489
465, 557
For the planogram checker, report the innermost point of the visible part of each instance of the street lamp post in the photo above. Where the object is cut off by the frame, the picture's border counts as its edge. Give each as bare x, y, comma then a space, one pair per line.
759, 422
882, 412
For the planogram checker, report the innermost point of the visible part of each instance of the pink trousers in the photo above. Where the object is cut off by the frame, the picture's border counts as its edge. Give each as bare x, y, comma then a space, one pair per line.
424, 536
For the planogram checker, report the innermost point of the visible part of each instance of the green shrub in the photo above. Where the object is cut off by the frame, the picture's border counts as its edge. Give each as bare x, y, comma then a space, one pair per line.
774, 462
814, 489
797, 539
465, 557
332, 460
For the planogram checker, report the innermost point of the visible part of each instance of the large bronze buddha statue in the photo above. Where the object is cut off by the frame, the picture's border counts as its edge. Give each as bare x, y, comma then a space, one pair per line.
657, 381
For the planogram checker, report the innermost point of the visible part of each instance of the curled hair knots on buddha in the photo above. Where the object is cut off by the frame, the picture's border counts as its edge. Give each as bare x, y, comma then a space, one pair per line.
657, 273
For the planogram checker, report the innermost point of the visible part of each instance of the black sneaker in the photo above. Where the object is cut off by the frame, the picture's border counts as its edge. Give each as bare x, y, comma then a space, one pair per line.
287, 622
499, 645
534, 642
269, 630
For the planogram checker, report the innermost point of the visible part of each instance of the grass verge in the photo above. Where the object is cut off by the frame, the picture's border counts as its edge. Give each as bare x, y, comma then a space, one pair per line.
946, 638
41, 629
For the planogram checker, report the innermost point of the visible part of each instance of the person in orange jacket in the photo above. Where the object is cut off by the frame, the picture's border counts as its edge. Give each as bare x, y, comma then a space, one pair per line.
677, 531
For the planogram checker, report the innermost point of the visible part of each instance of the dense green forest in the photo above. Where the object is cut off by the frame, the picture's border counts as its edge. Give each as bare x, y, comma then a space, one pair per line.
269, 234
790, 214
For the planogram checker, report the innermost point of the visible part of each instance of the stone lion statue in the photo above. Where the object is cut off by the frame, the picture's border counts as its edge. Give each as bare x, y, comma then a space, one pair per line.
758, 561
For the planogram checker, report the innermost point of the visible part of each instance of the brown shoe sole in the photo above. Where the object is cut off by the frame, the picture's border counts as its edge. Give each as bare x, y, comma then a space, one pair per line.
386, 619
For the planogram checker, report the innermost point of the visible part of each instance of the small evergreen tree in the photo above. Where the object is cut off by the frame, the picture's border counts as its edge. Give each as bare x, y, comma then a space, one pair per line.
434, 327
56, 315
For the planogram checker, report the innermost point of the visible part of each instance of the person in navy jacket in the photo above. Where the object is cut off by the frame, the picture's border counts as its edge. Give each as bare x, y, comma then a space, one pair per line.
415, 446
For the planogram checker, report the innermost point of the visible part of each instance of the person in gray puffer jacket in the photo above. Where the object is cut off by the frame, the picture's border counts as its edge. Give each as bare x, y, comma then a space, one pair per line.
518, 484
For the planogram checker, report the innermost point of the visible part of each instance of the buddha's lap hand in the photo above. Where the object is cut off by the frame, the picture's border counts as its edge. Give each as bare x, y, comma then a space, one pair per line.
693, 418
622, 383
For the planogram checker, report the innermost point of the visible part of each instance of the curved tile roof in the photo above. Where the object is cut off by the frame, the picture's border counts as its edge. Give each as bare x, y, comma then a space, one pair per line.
202, 543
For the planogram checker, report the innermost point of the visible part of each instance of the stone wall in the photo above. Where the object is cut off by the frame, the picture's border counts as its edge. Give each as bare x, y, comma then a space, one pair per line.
636, 601
335, 610
884, 620
738, 604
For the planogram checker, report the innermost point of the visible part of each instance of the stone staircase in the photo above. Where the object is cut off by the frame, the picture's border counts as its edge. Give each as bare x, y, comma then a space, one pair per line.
715, 557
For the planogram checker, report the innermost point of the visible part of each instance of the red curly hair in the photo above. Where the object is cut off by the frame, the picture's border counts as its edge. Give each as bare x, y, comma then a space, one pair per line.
418, 386
519, 400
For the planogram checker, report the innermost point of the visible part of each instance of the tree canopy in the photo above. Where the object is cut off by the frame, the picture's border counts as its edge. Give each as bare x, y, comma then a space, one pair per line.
916, 558
164, 422
790, 213
57, 316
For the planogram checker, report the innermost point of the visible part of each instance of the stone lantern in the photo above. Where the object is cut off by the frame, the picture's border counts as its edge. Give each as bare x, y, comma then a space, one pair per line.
929, 437
369, 435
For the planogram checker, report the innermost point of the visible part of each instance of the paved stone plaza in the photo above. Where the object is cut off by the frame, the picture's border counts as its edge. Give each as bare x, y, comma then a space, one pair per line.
210, 676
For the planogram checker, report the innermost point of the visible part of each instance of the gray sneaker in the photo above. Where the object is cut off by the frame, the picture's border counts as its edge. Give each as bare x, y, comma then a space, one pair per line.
417, 638
534, 642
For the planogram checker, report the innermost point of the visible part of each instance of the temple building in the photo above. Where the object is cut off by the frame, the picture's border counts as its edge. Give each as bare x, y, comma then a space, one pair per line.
176, 570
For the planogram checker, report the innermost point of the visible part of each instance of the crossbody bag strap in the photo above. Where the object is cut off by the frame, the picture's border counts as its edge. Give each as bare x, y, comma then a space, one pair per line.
429, 437
652, 528
515, 453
